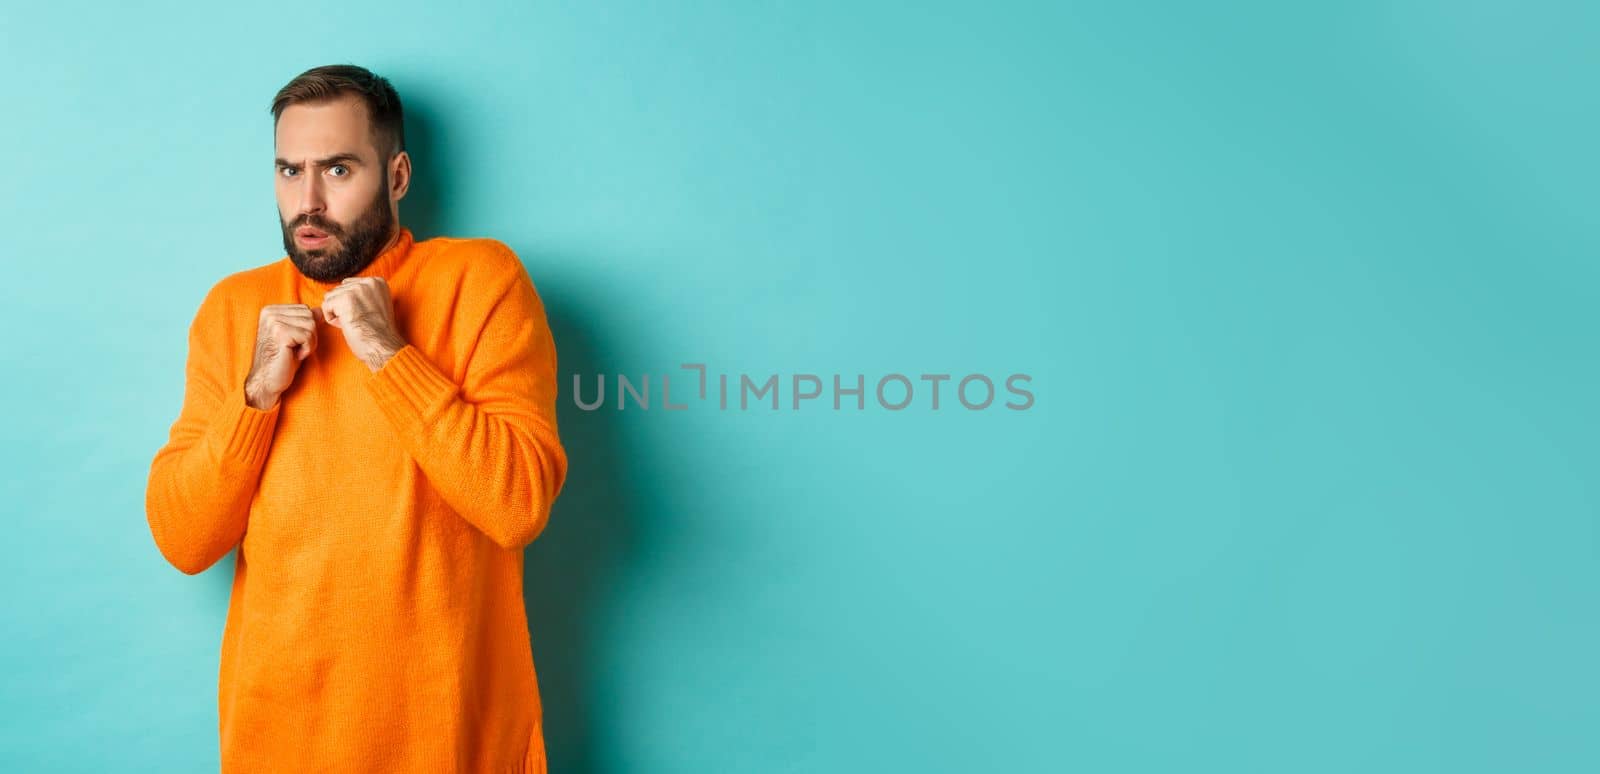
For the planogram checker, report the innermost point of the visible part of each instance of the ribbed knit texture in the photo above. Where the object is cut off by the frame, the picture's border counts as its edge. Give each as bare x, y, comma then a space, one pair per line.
376, 622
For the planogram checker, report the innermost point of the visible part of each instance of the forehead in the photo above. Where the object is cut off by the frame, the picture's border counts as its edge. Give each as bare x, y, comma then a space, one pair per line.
322, 129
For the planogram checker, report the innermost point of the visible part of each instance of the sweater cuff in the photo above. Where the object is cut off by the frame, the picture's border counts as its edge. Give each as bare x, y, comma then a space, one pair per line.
245, 432
410, 389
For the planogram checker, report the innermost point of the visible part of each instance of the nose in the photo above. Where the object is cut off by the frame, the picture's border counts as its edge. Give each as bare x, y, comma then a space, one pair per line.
311, 198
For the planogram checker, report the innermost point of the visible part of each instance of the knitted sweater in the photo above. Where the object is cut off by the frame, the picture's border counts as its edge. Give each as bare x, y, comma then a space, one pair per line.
376, 622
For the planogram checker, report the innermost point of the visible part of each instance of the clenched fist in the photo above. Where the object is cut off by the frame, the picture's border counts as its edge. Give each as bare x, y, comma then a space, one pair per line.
363, 309
285, 335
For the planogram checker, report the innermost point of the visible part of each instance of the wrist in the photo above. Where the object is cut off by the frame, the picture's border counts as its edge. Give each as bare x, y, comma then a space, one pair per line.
383, 351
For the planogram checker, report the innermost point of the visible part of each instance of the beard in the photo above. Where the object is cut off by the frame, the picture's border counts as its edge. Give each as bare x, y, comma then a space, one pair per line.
357, 246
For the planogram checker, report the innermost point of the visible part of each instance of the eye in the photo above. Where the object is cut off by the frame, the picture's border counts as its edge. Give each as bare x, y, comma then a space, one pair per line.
345, 170
287, 171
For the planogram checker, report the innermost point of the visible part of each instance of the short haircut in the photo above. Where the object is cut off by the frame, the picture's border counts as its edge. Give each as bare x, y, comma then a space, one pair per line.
329, 82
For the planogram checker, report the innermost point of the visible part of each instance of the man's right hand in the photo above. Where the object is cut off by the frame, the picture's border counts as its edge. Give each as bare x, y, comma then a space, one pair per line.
285, 335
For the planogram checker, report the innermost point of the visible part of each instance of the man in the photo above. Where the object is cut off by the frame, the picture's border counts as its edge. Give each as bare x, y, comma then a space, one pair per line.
371, 421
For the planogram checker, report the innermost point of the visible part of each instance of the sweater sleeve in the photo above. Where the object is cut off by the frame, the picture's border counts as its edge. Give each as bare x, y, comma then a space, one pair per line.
202, 481
490, 445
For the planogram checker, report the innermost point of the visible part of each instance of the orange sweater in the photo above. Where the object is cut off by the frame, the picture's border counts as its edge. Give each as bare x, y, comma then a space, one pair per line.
376, 621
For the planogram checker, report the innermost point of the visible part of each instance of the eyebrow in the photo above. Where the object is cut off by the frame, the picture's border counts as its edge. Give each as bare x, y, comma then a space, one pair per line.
338, 158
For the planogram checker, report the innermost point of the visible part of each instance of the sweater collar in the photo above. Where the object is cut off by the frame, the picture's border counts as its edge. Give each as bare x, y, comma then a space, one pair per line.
384, 265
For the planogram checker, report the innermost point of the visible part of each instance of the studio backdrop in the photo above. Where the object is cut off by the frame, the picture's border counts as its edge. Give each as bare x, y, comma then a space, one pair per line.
1018, 387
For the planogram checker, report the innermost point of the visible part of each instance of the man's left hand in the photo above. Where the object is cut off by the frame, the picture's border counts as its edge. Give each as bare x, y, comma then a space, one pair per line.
362, 308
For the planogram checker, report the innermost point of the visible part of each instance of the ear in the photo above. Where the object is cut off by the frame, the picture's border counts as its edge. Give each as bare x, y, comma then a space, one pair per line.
399, 176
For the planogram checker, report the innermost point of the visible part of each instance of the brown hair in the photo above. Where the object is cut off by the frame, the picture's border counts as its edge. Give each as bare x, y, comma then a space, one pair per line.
332, 81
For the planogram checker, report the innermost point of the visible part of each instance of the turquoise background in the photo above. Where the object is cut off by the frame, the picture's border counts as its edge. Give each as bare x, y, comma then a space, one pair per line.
1306, 291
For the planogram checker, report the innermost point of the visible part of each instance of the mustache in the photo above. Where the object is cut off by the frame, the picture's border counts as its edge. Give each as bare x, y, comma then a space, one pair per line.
319, 224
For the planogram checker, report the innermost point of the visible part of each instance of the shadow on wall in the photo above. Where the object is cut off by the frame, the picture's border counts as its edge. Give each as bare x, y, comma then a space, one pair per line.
590, 529
588, 540
426, 209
